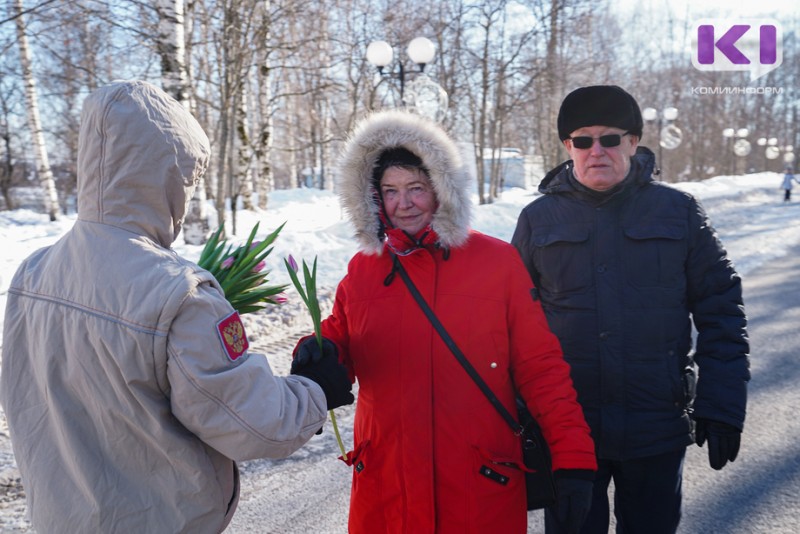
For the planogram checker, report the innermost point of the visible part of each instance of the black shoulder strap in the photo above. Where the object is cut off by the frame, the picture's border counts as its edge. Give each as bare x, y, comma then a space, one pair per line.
515, 426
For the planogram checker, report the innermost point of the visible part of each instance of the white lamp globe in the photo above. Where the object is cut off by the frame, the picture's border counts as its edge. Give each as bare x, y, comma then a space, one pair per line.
421, 50
379, 53
671, 113
649, 114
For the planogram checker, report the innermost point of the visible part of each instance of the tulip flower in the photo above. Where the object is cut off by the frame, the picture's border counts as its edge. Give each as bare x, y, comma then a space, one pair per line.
309, 296
241, 271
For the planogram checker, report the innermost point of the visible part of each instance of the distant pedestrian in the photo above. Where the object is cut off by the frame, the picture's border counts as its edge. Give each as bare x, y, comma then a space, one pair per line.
788, 178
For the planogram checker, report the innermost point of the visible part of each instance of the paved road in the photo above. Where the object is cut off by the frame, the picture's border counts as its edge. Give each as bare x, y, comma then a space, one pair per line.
760, 491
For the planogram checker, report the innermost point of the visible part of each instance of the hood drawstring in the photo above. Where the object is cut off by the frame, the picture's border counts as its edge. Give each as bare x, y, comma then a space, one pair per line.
395, 267
445, 251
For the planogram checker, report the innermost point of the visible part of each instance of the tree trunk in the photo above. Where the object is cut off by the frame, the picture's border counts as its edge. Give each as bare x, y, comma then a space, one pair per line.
265, 183
7, 169
34, 122
242, 176
171, 47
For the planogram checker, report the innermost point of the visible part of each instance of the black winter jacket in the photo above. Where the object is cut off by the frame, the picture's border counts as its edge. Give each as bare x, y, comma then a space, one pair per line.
621, 277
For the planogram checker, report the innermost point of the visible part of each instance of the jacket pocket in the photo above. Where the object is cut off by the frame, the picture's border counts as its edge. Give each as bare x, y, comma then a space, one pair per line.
354, 457
367, 483
562, 258
655, 255
495, 475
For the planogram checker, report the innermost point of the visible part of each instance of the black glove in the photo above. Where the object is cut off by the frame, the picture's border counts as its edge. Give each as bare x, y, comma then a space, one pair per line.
573, 498
723, 441
307, 352
323, 367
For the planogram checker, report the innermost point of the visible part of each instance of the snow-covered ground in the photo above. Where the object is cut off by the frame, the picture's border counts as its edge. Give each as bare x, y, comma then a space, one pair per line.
748, 212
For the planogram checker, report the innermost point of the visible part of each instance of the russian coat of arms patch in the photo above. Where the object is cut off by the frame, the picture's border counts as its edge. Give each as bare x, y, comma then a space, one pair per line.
231, 333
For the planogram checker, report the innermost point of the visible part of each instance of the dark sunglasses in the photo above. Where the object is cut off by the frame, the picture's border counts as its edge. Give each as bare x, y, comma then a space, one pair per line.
606, 141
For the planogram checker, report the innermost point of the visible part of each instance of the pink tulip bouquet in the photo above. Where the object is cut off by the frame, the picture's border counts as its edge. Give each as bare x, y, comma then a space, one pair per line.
240, 271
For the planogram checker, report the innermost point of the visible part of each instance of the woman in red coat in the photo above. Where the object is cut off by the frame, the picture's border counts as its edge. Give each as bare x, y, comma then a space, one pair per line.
423, 429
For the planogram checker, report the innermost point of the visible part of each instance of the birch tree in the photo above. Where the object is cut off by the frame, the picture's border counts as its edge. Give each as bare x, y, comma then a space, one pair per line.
171, 48
242, 177
265, 178
34, 122
7, 161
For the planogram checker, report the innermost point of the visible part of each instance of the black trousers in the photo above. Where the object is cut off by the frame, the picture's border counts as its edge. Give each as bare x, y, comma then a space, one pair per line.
647, 496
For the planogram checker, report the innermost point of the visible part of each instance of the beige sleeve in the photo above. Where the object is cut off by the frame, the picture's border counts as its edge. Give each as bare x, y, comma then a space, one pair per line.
233, 402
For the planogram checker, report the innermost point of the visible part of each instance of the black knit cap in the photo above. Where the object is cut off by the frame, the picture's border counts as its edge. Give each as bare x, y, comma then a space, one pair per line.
599, 105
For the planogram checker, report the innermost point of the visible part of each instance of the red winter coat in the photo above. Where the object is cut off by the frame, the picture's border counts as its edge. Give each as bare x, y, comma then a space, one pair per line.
423, 429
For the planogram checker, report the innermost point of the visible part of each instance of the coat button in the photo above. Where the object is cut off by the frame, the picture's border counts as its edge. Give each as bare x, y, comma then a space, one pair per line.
493, 365
603, 335
601, 268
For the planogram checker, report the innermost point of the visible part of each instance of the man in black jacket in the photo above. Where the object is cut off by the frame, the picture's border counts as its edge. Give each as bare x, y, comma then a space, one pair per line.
623, 264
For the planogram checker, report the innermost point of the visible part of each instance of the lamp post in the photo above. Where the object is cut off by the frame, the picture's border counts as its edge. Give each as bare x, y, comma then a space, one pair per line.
788, 156
669, 135
741, 147
421, 95
728, 134
762, 142
773, 151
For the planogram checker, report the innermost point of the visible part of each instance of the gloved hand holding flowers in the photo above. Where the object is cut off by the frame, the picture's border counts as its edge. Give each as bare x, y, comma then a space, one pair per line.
320, 361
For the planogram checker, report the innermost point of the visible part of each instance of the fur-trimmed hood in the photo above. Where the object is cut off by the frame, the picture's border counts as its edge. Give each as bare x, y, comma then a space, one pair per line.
439, 154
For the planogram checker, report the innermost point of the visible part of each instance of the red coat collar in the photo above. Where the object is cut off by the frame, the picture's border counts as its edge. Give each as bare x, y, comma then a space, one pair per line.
403, 244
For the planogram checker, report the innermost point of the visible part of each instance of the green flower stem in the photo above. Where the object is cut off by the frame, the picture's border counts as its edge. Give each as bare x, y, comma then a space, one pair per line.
309, 296
338, 436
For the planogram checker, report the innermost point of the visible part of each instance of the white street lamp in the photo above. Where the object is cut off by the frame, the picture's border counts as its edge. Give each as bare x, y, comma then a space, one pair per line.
741, 147
422, 95
669, 135
421, 51
380, 54
670, 113
772, 152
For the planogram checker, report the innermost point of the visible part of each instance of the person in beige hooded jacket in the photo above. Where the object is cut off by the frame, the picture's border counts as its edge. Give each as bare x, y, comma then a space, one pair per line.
127, 403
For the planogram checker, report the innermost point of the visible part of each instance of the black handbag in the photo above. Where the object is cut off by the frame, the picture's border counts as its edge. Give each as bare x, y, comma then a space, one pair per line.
541, 491
539, 483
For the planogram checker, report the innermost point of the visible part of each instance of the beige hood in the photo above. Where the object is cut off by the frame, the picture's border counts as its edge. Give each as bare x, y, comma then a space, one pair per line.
141, 155
450, 178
